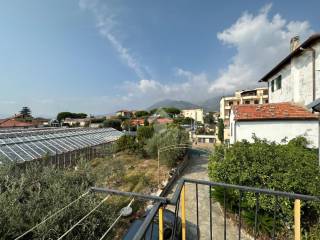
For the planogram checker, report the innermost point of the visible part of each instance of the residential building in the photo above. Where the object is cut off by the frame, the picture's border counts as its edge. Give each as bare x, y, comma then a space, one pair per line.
203, 139
74, 122
14, 123
252, 96
124, 113
274, 122
137, 122
195, 114
297, 77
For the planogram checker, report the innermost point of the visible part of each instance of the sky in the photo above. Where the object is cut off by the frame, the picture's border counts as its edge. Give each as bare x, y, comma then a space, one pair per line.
100, 56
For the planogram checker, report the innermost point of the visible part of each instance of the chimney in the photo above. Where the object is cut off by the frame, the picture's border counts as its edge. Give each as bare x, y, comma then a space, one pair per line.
294, 43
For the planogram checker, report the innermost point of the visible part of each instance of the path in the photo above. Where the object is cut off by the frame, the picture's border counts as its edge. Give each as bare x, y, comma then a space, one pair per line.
198, 169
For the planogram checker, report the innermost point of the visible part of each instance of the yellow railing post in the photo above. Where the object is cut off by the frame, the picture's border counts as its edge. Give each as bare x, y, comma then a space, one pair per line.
297, 216
183, 213
160, 223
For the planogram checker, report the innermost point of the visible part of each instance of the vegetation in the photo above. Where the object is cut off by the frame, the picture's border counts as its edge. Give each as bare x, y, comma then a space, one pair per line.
171, 136
139, 114
27, 197
25, 112
221, 130
209, 119
63, 115
113, 123
290, 167
183, 120
169, 110
144, 133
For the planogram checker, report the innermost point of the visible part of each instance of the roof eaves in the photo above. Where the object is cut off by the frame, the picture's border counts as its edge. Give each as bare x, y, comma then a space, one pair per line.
297, 51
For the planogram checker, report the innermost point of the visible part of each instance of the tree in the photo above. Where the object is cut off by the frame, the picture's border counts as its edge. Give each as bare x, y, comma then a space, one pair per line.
112, 123
288, 167
63, 115
139, 114
209, 119
25, 112
144, 133
171, 136
146, 122
221, 130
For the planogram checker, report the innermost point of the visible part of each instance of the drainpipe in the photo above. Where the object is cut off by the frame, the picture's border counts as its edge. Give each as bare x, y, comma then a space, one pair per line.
313, 70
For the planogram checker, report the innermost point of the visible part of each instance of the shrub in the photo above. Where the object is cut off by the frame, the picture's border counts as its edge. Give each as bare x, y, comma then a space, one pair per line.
30, 195
290, 167
171, 136
129, 143
144, 133
112, 123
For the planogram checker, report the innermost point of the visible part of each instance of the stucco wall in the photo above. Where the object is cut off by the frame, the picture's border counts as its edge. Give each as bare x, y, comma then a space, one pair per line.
275, 130
297, 79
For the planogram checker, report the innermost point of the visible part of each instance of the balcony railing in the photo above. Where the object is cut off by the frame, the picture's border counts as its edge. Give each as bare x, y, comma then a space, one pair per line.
178, 201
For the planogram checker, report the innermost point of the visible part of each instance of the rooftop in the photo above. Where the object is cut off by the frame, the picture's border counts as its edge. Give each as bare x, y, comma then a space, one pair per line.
272, 111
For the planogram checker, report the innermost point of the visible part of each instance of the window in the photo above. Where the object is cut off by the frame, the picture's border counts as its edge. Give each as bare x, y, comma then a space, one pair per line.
247, 102
256, 101
278, 82
266, 101
230, 103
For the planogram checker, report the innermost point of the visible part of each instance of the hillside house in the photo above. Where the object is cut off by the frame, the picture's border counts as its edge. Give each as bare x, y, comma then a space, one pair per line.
274, 122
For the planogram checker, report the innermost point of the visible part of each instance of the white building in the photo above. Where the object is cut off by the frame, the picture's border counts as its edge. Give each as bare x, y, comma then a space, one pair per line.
252, 96
195, 114
297, 77
273, 122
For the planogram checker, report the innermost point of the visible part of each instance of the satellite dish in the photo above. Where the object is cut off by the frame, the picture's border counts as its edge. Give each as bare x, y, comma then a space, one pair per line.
126, 211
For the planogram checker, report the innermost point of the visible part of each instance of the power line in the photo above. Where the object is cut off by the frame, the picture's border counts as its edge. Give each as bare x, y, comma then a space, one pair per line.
54, 214
114, 223
70, 229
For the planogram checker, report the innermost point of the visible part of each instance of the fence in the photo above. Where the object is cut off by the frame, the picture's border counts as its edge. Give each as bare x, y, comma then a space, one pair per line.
156, 215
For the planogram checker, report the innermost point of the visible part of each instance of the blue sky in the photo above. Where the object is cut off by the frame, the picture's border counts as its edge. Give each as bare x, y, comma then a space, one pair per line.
99, 56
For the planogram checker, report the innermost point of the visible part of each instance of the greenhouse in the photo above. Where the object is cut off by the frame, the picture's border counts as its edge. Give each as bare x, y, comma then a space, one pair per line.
20, 145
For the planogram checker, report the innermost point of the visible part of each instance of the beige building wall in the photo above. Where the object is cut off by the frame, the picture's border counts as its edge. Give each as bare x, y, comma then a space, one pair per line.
196, 114
254, 96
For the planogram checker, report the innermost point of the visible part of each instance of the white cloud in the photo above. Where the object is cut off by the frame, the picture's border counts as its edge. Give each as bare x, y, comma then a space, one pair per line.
260, 41
106, 24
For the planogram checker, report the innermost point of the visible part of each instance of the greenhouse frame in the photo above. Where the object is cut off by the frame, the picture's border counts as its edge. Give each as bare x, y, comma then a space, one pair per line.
21, 145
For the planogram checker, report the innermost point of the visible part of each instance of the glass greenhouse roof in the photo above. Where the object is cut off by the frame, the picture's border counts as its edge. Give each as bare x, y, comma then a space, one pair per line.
21, 145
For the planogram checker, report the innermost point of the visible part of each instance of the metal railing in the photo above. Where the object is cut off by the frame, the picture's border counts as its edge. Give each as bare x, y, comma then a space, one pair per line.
178, 201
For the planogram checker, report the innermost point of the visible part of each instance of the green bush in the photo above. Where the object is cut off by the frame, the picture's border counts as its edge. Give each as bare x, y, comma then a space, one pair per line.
129, 143
30, 195
289, 167
112, 123
171, 136
144, 133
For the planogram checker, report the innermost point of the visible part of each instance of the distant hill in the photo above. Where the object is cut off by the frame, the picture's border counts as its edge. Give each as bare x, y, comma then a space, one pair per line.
173, 103
211, 104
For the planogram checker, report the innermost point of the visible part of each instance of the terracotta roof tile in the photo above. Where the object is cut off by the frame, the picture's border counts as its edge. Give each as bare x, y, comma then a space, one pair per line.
271, 111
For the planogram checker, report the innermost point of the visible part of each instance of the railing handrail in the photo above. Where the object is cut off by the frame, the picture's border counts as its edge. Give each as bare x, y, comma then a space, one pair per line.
163, 201
255, 190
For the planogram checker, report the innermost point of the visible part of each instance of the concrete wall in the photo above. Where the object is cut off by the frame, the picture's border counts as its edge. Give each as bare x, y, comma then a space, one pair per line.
196, 114
297, 83
275, 130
